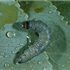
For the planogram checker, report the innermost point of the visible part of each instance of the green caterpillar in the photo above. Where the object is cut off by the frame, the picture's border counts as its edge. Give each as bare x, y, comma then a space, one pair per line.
40, 45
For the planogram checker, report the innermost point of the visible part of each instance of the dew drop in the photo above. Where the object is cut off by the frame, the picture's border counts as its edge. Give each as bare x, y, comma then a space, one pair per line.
16, 48
39, 62
50, 12
46, 69
6, 56
68, 57
13, 52
30, 66
10, 34
2, 54
27, 36
32, 69
62, 65
21, 44
6, 65
17, 63
67, 62
29, 40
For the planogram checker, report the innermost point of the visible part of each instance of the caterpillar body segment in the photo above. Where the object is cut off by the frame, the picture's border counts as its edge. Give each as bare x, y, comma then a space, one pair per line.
40, 45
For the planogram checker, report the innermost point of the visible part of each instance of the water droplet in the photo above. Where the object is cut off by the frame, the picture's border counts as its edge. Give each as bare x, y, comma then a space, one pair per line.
16, 48
21, 44
32, 69
26, 2
6, 56
29, 40
17, 63
68, 57
46, 69
13, 52
50, 12
30, 66
67, 62
27, 36
39, 62
2, 53
62, 65
6, 65
10, 34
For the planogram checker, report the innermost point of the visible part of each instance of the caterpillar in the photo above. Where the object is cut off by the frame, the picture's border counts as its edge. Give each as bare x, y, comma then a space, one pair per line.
40, 45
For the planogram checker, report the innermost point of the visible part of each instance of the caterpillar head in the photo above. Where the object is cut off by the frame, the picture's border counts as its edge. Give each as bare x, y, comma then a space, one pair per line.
25, 25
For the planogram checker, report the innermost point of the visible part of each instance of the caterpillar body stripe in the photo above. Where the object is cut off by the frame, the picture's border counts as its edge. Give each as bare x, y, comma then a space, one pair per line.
40, 45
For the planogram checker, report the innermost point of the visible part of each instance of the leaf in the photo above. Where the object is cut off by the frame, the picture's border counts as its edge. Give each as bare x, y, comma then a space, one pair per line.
13, 40
59, 49
64, 8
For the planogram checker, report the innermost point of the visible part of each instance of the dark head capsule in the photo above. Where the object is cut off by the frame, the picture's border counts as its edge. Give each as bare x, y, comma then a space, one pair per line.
25, 25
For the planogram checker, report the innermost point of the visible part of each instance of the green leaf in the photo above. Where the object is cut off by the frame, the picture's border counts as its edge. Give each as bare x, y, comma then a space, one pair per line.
10, 13
13, 40
64, 8
59, 49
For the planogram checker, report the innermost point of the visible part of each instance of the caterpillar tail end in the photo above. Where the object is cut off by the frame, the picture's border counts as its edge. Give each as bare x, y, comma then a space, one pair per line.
21, 59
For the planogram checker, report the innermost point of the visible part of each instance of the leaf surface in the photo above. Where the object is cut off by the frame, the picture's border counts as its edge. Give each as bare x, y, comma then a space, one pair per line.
59, 49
